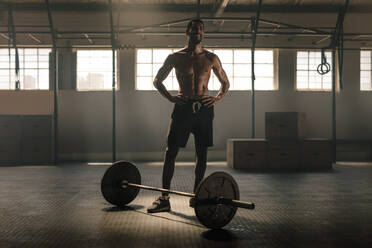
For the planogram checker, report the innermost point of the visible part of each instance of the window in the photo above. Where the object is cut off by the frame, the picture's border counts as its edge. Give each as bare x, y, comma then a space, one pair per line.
307, 76
236, 63
365, 70
148, 63
94, 70
33, 69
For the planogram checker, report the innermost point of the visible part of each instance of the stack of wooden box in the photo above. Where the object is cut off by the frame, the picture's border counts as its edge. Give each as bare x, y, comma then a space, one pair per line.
25, 139
284, 146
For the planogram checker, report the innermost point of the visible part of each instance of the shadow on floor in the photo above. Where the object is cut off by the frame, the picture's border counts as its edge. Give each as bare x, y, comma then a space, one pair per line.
124, 208
184, 216
219, 235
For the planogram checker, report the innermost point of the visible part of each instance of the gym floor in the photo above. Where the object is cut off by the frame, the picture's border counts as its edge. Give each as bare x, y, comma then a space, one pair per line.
62, 206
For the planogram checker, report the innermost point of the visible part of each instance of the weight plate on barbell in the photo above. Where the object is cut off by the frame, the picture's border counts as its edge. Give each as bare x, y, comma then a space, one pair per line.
210, 213
111, 184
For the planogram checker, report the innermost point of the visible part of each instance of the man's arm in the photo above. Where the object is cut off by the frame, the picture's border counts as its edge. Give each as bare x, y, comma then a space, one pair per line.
225, 84
161, 76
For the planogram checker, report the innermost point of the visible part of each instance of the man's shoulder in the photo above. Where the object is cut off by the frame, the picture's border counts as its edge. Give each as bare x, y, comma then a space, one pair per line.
210, 55
182, 51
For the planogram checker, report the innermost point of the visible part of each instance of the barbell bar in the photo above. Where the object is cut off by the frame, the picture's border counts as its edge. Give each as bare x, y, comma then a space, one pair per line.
216, 197
218, 200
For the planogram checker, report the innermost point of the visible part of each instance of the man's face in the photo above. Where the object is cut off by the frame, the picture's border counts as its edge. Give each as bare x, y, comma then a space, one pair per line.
195, 32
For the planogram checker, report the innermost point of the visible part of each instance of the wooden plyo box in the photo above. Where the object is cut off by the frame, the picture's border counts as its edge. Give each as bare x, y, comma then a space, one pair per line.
283, 154
316, 154
247, 153
284, 125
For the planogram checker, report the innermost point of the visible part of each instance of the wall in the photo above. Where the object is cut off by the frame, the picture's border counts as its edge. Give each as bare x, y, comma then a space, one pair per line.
143, 117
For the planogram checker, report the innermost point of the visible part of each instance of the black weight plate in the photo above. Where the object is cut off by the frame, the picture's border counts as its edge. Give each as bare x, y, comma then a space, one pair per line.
210, 213
112, 180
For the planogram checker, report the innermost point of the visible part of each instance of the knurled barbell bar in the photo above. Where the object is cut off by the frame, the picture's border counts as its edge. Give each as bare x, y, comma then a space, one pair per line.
216, 197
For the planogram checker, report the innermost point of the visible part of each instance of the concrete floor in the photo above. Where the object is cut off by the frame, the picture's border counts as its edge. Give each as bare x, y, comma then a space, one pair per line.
62, 206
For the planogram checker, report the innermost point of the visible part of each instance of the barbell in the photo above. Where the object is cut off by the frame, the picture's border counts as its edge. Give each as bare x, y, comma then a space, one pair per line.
216, 197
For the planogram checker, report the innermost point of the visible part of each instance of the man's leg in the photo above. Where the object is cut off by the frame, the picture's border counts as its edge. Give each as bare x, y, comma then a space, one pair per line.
201, 163
162, 204
168, 168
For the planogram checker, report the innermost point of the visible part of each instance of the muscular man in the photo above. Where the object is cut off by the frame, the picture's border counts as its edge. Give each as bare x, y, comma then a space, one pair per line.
193, 110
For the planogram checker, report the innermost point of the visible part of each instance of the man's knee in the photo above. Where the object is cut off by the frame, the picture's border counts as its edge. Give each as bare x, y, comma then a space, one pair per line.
171, 152
201, 153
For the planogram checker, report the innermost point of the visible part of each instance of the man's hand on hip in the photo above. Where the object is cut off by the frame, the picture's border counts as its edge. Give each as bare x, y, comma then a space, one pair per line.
209, 101
177, 100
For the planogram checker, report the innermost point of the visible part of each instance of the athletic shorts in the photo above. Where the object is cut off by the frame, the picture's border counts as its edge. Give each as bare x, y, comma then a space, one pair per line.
191, 117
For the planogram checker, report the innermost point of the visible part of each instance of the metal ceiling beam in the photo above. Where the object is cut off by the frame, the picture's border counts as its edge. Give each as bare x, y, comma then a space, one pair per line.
5, 36
221, 8
90, 33
131, 46
88, 38
164, 24
102, 7
292, 26
35, 38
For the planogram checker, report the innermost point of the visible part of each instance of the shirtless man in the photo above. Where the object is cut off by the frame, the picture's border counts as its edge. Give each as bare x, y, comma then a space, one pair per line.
193, 110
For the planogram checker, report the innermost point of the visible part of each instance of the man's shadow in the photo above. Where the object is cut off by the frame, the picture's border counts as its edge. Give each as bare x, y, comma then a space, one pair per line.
211, 234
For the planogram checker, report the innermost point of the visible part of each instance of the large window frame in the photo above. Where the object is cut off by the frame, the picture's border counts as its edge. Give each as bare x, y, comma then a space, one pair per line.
101, 64
313, 60
365, 70
33, 68
149, 68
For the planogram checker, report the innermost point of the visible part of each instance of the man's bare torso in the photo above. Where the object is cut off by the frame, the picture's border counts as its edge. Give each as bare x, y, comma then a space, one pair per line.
193, 72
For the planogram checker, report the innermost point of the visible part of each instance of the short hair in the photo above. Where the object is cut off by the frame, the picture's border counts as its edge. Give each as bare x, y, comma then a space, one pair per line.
194, 20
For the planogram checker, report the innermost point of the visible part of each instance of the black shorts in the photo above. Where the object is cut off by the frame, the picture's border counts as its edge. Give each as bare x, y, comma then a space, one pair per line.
194, 118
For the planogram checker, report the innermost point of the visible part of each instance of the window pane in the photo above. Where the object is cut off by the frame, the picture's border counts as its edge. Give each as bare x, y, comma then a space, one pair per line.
364, 60
44, 79
365, 70
242, 83
155, 69
144, 55
264, 70
215, 85
94, 69
302, 85
144, 69
225, 55
365, 66
144, 83
4, 79
263, 83
175, 85
160, 55
228, 69
263, 56
30, 79
242, 70
242, 56
168, 83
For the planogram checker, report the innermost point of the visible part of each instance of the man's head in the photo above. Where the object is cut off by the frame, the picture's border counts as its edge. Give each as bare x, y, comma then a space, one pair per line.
195, 31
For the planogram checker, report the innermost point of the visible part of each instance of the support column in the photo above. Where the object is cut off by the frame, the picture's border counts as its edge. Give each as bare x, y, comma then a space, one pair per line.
55, 80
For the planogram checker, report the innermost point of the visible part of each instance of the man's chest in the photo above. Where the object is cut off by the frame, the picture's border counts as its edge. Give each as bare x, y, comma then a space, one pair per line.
191, 65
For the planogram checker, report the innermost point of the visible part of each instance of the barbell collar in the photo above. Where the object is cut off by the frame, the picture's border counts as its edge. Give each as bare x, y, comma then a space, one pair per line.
226, 201
237, 203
